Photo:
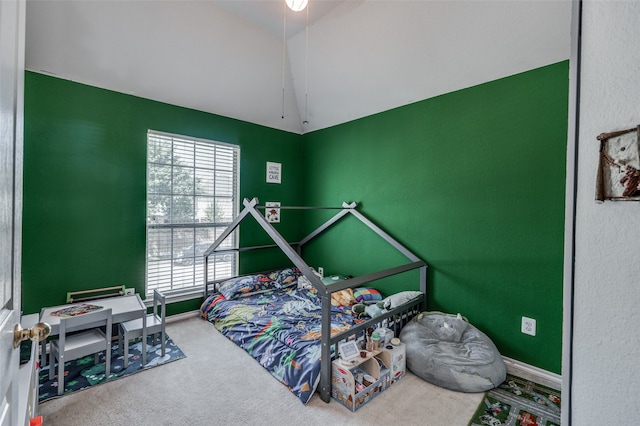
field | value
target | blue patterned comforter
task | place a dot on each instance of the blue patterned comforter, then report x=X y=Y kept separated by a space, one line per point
x=278 y=324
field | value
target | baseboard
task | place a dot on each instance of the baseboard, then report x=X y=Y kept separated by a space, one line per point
x=544 y=377
x=182 y=316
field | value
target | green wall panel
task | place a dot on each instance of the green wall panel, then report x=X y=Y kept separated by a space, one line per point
x=84 y=183
x=473 y=182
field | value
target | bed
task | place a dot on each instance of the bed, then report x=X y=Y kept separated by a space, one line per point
x=285 y=318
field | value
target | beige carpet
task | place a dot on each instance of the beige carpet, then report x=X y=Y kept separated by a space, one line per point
x=219 y=384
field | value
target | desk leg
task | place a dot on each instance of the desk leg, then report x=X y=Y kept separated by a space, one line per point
x=144 y=339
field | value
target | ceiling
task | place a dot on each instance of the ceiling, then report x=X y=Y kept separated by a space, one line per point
x=361 y=57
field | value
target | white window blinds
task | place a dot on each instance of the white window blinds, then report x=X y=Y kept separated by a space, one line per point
x=192 y=192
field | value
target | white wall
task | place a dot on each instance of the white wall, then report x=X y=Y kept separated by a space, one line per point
x=606 y=342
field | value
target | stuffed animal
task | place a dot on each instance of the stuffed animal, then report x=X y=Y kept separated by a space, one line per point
x=343 y=298
x=373 y=310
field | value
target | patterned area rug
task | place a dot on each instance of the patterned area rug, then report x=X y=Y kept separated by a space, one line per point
x=519 y=402
x=83 y=373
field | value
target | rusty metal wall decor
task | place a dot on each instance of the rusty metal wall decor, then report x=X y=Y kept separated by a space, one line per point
x=618 y=176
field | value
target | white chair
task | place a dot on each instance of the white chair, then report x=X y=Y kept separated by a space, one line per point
x=155 y=326
x=87 y=339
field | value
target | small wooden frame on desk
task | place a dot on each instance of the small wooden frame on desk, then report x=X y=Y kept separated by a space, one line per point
x=96 y=293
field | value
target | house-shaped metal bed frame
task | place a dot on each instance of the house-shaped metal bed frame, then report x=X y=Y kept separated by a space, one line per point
x=398 y=315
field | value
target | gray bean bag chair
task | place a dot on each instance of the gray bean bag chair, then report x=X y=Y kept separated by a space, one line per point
x=447 y=351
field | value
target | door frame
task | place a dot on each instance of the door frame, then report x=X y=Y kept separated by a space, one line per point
x=12 y=47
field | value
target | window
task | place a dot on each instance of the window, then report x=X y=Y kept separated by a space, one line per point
x=192 y=192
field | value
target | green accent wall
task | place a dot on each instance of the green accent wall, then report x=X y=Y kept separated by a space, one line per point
x=473 y=182
x=84 y=184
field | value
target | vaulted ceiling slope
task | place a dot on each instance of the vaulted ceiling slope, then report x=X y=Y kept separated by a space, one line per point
x=226 y=57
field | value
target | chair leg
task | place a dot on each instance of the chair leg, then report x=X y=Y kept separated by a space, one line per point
x=107 y=365
x=125 y=345
x=60 y=374
x=163 y=343
x=119 y=340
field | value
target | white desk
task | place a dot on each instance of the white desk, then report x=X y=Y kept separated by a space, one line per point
x=123 y=308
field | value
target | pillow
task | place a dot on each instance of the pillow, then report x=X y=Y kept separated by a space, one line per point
x=259 y=283
x=367 y=295
x=343 y=298
x=285 y=278
x=398 y=299
x=240 y=286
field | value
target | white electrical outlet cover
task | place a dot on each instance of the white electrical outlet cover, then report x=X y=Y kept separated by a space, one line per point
x=528 y=326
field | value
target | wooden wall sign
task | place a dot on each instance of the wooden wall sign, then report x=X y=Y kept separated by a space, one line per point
x=619 y=166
